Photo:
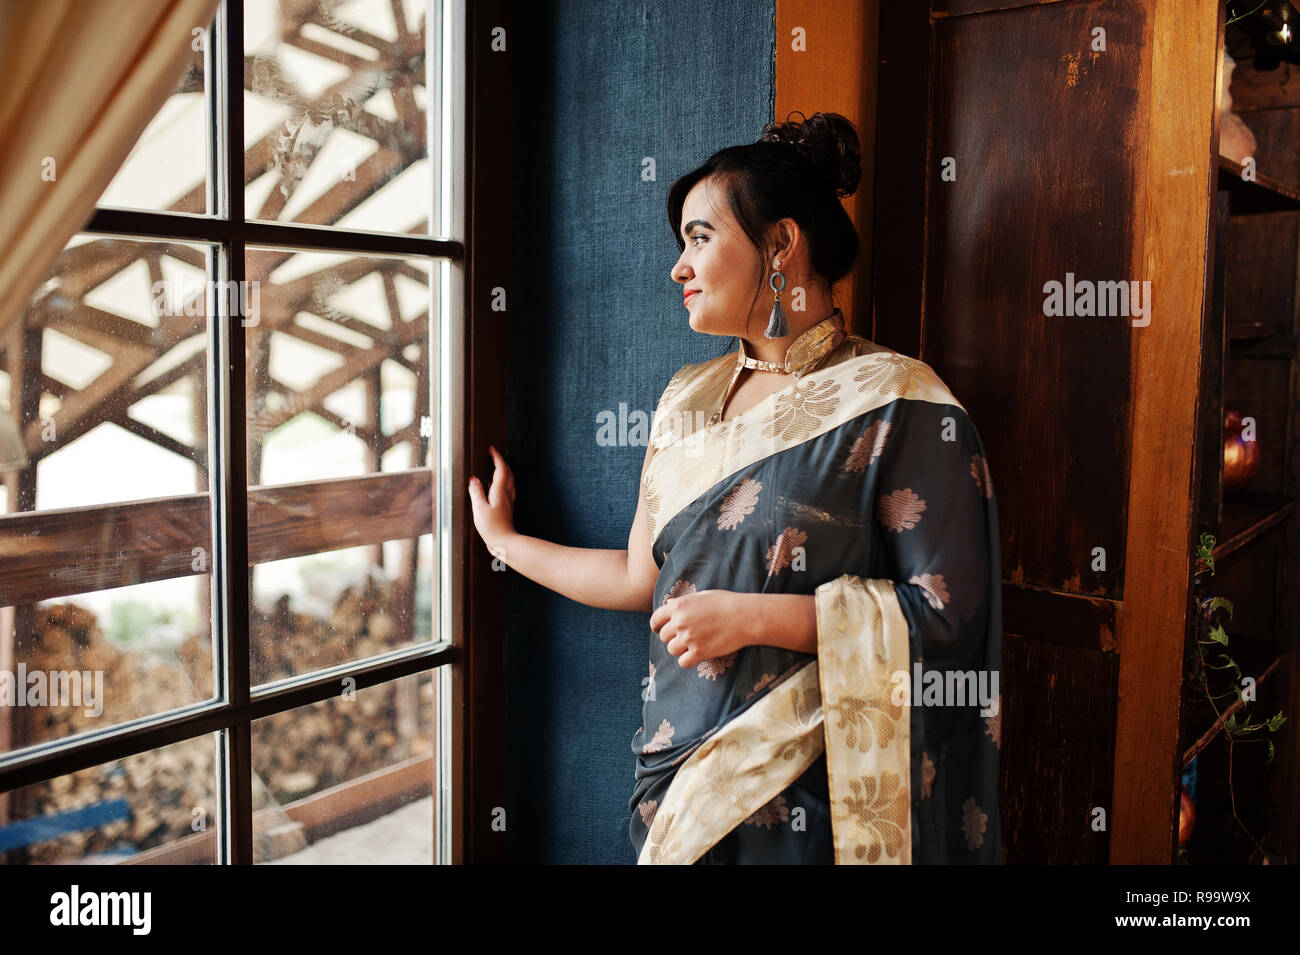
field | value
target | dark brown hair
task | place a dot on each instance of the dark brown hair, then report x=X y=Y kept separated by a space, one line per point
x=797 y=169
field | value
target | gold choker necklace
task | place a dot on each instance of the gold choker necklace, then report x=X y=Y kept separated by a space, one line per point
x=809 y=347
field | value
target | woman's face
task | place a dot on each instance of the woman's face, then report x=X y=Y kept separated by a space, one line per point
x=719 y=268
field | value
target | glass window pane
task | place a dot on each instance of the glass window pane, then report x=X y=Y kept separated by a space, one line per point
x=78 y=664
x=107 y=377
x=338 y=365
x=158 y=807
x=339 y=417
x=349 y=780
x=337 y=128
x=321 y=610
x=170 y=165
x=105 y=528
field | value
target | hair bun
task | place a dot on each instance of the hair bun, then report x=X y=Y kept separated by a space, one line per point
x=827 y=140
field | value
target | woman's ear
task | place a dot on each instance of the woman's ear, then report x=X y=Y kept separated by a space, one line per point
x=787 y=240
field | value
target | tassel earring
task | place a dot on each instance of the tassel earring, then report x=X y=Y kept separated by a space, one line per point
x=776 y=324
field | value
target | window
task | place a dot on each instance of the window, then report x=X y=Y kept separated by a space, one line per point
x=225 y=610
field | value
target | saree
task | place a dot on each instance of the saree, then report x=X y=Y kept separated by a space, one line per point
x=863 y=484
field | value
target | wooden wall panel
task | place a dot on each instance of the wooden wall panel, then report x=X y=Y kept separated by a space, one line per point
x=1020 y=105
x=1049 y=792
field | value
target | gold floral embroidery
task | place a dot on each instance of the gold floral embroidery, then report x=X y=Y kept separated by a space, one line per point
x=735 y=439
x=878 y=811
x=763 y=681
x=687 y=752
x=927 y=775
x=663 y=736
x=993 y=725
x=678 y=589
x=770 y=814
x=663 y=840
x=722 y=787
x=781 y=553
x=869 y=720
x=974 y=823
x=979 y=470
x=896 y=374
x=801 y=712
x=712 y=669
x=840 y=607
x=647 y=810
x=868 y=447
x=797 y=414
x=899 y=510
x=740 y=501
x=935 y=587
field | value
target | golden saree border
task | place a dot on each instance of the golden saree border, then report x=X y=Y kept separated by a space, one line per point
x=689 y=460
x=738 y=770
x=862 y=642
x=843 y=704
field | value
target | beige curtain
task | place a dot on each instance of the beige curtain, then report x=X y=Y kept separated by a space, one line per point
x=79 y=82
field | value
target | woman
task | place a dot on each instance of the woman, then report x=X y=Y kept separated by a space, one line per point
x=815 y=530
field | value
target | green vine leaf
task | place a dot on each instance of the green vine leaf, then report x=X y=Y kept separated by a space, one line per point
x=1198 y=662
x=1205 y=553
x=1217 y=602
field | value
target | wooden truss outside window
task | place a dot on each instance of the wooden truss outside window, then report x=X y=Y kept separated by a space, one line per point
x=238 y=400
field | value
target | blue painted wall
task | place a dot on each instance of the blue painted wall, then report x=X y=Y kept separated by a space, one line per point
x=596 y=321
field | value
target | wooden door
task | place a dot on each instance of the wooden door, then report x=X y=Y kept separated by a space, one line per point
x=1022 y=143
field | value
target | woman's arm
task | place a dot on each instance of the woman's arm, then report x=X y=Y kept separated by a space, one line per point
x=789 y=621
x=598 y=578
x=707 y=624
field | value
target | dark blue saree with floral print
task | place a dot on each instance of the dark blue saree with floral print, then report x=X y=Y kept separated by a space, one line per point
x=865 y=485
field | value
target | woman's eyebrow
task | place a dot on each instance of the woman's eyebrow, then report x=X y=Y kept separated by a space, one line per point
x=694 y=222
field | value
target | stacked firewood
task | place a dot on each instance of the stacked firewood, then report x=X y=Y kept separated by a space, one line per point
x=67 y=637
x=295 y=754
x=361 y=624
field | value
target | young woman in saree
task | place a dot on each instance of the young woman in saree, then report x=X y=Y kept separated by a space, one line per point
x=816 y=542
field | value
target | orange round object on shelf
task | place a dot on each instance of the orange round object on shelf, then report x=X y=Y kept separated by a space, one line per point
x=1240 y=456
x=1186 y=818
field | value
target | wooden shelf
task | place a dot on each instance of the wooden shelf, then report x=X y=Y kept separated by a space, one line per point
x=1263 y=194
x=1246 y=516
x=1241 y=331
x=1277 y=346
